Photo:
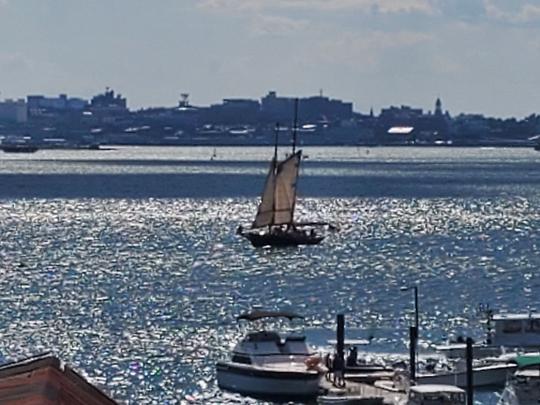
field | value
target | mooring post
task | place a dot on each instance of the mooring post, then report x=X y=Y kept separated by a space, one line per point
x=340 y=337
x=470 y=381
x=413 y=335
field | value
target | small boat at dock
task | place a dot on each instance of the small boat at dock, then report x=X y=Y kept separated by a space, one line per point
x=524 y=386
x=268 y=364
x=486 y=375
x=504 y=332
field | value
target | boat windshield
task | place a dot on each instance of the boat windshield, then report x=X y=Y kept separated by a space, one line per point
x=284 y=328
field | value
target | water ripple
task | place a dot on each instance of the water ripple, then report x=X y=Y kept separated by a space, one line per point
x=141 y=295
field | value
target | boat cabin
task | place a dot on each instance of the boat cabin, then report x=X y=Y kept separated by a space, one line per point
x=257 y=346
x=270 y=343
x=516 y=330
x=434 y=394
x=503 y=330
x=524 y=386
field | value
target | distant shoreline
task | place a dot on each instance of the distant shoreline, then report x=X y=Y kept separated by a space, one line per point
x=240 y=145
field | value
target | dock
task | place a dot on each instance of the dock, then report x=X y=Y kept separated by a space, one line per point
x=381 y=392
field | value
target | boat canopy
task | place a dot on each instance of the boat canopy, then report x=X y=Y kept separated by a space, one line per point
x=528 y=361
x=258 y=314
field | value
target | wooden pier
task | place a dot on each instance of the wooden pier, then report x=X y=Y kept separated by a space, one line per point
x=363 y=393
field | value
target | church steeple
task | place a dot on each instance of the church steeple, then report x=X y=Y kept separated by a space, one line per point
x=438 y=107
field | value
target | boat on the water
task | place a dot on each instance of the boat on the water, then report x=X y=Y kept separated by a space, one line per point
x=18 y=148
x=274 y=223
x=17 y=144
x=268 y=364
x=524 y=386
x=505 y=332
x=484 y=375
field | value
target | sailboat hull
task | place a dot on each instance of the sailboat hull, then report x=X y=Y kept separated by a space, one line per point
x=283 y=239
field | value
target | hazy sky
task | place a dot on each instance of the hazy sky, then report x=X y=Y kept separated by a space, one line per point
x=477 y=55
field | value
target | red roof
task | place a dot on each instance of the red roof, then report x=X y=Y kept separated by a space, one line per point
x=43 y=381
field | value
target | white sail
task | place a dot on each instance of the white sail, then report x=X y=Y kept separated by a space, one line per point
x=285 y=189
x=265 y=212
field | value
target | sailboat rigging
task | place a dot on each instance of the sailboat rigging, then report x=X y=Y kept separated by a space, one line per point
x=274 y=223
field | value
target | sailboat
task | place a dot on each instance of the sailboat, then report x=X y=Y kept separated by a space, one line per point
x=274 y=223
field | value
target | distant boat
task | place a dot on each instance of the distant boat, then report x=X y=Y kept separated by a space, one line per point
x=19 y=148
x=274 y=223
x=536 y=139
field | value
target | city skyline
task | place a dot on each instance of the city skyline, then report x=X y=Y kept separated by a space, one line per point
x=480 y=56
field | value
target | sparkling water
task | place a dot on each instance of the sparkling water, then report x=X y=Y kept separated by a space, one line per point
x=125 y=262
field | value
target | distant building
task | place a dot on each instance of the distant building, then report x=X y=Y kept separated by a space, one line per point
x=39 y=103
x=311 y=109
x=426 y=127
x=274 y=108
x=14 y=111
x=233 y=111
x=109 y=101
x=471 y=125
x=321 y=108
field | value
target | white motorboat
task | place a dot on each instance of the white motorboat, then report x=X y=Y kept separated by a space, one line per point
x=524 y=386
x=268 y=364
x=504 y=332
x=435 y=394
x=488 y=374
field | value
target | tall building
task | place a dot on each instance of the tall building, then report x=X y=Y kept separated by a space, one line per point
x=37 y=103
x=109 y=101
x=14 y=111
x=311 y=109
x=233 y=111
x=438 y=107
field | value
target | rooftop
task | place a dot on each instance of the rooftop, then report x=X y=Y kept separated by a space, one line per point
x=516 y=317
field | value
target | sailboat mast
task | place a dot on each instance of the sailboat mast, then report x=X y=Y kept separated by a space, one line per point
x=295 y=125
x=295 y=128
x=276 y=141
x=276 y=137
x=295 y=187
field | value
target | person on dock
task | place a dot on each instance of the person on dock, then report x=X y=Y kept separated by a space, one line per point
x=352 y=357
x=338 y=367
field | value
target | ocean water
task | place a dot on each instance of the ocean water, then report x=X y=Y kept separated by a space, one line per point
x=125 y=262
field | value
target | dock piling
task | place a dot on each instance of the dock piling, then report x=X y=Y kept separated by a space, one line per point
x=470 y=382
x=413 y=336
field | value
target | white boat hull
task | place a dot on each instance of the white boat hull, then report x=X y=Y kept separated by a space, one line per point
x=348 y=400
x=267 y=382
x=495 y=375
x=458 y=350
